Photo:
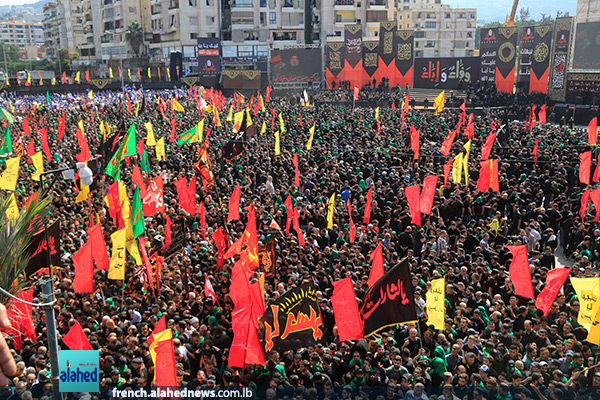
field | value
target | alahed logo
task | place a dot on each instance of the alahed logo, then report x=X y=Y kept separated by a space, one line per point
x=79 y=370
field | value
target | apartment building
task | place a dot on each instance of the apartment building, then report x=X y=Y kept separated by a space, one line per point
x=368 y=13
x=21 y=33
x=63 y=27
x=115 y=17
x=440 y=31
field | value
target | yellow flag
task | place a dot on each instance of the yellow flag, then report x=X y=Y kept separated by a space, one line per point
x=83 y=194
x=436 y=309
x=110 y=73
x=457 y=168
x=277 y=149
x=160 y=149
x=91 y=94
x=132 y=247
x=594 y=331
x=310 y=139
x=377 y=114
x=137 y=108
x=177 y=106
x=237 y=121
x=465 y=161
x=116 y=270
x=12 y=212
x=80 y=125
x=38 y=164
x=150 y=139
x=129 y=73
x=248 y=118
x=124 y=199
x=588 y=293
x=102 y=130
x=330 y=211
x=199 y=132
x=216 y=116
x=53 y=81
x=281 y=124
x=438 y=103
x=494 y=225
x=108 y=129
x=8 y=180
x=78 y=77
x=29 y=78
x=169 y=73
x=230 y=114
x=262 y=103
x=7 y=80
x=264 y=128
x=149 y=74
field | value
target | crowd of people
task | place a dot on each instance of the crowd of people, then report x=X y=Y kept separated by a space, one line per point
x=495 y=346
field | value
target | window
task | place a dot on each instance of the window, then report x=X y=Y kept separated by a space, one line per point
x=210 y=20
x=430 y=24
x=210 y=3
x=272 y=18
x=430 y=43
x=419 y=34
x=194 y=21
x=242 y=3
x=193 y=35
x=447 y=15
x=132 y=10
x=193 y=3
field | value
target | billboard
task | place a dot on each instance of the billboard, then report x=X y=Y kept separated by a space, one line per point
x=534 y=58
x=488 y=53
x=353 y=68
x=209 y=61
x=299 y=65
x=559 y=58
x=586 y=53
x=446 y=73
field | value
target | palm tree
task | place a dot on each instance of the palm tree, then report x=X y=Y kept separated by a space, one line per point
x=15 y=237
x=135 y=37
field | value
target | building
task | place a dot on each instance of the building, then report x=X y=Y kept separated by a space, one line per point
x=440 y=31
x=369 y=13
x=63 y=26
x=54 y=29
x=115 y=17
x=587 y=11
x=21 y=33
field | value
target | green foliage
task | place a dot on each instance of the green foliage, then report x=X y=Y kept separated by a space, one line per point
x=135 y=37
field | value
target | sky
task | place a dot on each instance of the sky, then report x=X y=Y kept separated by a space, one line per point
x=487 y=11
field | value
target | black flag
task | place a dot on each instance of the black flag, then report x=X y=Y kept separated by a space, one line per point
x=238 y=143
x=293 y=320
x=390 y=300
x=38 y=248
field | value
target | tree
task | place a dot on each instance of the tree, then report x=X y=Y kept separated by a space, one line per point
x=12 y=52
x=135 y=37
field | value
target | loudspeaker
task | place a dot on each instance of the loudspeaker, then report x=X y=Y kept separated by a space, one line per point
x=176 y=65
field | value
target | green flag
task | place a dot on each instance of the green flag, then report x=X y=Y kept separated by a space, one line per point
x=145 y=164
x=47 y=97
x=131 y=150
x=5 y=115
x=115 y=162
x=137 y=215
x=187 y=136
x=5 y=142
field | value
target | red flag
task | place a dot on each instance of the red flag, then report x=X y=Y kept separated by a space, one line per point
x=30 y=151
x=172 y=138
x=138 y=180
x=352 y=233
x=115 y=205
x=85 y=154
x=167 y=233
x=290 y=213
x=536 y=150
x=428 y=194
x=140 y=147
x=76 y=339
x=154 y=202
x=165 y=363
x=447 y=168
x=87 y=76
x=245 y=348
x=192 y=195
x=234 y=204
x=219 y=239
x=595 y=196
x=369 y=200
x=494 y=178
x=139 y=75
x=483 y=183
x=487 y=148
x=356 y=90
x=273 y=120
x=533 y=122
x=345 y=310
x=26 y=129
x=377 y=270
x=84 y=269
x=593 y=131
x=268 y=93
x=239 y=287
x=64 y=77
x=61 y=126
x=414 y=141
x=413 y=196
x=296 y=226
x=447 y=145
x=554 y=282
x=147 y=263
x=129 y=106
x=597 y=170
x=470 y=129
x=208 y=289
x=160 y=326
x=45 y=146
x=585 y=167
x=463 y=107
x=247 y=245
x=202 y=213
x=182 y=193
x=519 y=272
x=542 y=114
x=296 y=170
x=585 y=198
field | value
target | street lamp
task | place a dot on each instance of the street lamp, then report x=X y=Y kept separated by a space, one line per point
x=87 y=178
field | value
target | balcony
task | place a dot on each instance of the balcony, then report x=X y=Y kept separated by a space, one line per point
x=242 y=4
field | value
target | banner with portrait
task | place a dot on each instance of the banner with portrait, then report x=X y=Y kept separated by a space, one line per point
x=560 y=55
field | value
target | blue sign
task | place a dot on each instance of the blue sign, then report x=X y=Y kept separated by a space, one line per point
x=79 y=370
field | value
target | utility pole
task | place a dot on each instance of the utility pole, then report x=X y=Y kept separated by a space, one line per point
x=5 y=62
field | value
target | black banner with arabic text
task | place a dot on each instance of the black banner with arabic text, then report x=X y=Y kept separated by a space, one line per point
x=387 y=33
x=446 y=73
x=38 y=249
x=353 y=43
x=293 y=320
x=209 y=61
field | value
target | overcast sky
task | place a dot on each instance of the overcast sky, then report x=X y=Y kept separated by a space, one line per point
x=486 y=10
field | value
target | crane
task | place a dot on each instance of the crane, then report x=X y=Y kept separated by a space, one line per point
x=510 y=19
